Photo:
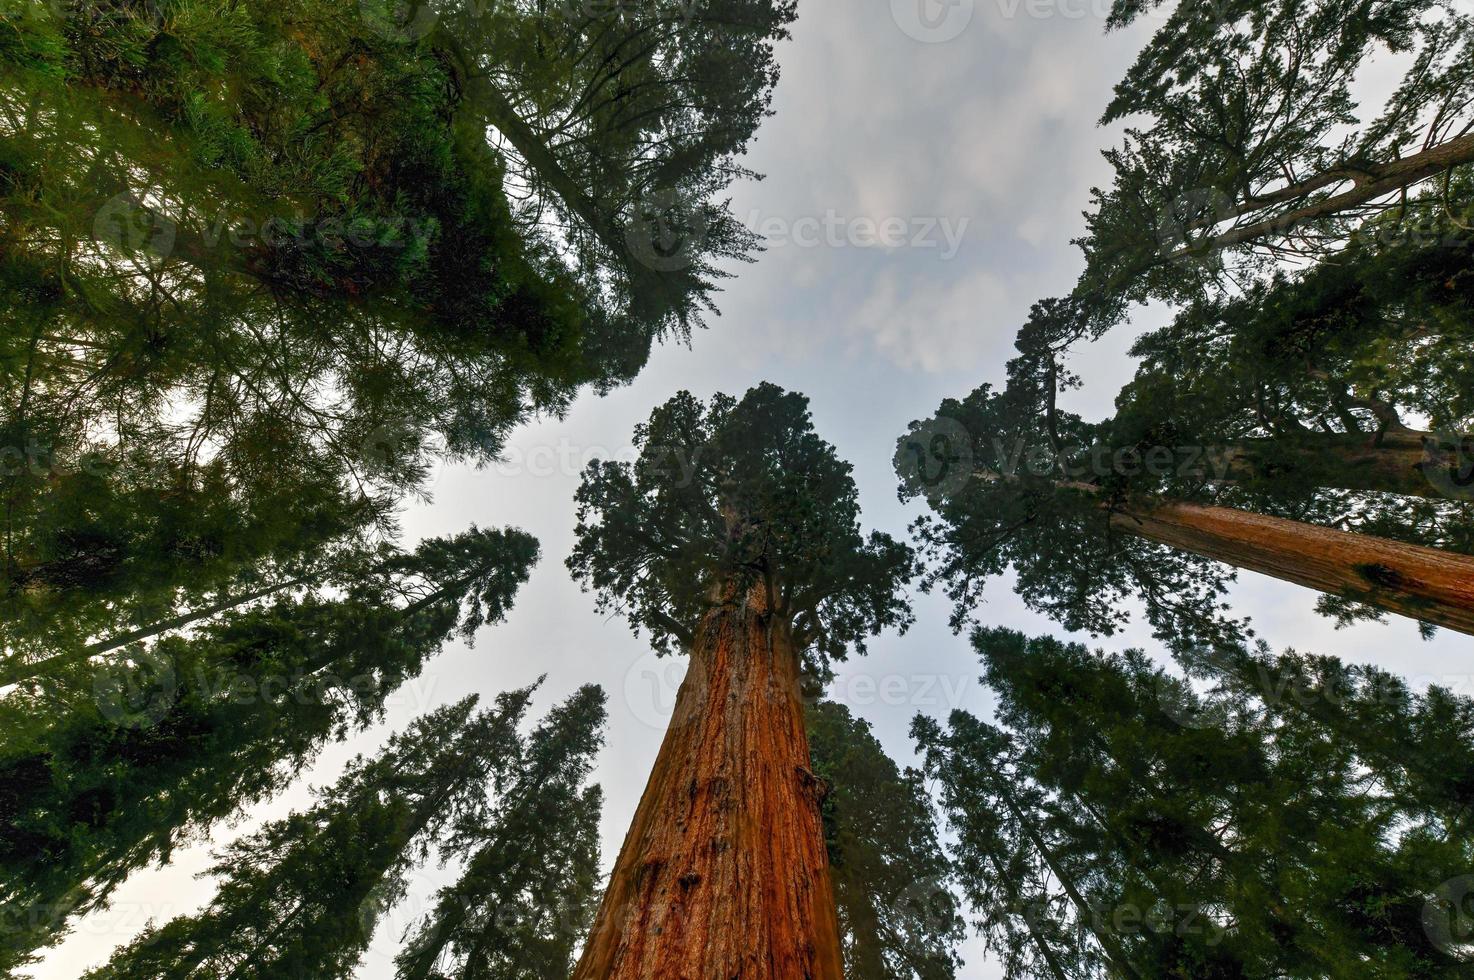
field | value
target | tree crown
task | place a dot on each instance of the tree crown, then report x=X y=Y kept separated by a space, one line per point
x=731 y=495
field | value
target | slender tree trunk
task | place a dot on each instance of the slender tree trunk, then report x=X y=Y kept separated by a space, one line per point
x=1029 y=917
x=724 y=874
x=1407 y=579
x=1110 y=944
x=485 y=97
x=12 y=673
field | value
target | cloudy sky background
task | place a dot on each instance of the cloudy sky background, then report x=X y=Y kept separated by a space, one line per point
x=973 y=130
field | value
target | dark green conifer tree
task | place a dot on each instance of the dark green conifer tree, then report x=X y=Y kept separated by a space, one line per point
x=897 y=915
x=106 y=768
x=302 y=896
x=528 y=892
x=1226 y=834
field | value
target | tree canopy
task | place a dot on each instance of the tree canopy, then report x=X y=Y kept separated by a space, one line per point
x=1120 y=822
x=736 y=494
x=898 y=918
x=303 y=895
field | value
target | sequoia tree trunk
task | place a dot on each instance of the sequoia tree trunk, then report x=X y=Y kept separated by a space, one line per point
x=1407 y=462
x=724 y=873
x=1410 y=580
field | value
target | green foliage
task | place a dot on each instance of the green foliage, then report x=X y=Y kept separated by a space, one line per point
x=301 y=896
x=733 y=495
x=529 y=891
x=1009 y=479
x=265 y=260
x=626 y=124
x=898 y=918
x=1288 y=400
x=1245 y=126
x=1241 y=832
x=107 y=767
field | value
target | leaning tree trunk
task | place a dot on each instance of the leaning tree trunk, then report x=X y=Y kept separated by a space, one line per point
x=1407 y=462
x=1410 y=580
x=1368 y=183
x=724 y=873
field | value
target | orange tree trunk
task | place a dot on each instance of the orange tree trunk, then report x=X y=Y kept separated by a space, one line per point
x=724 y=874
x=1422 y=583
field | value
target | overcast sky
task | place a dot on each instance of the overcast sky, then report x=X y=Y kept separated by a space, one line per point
x=963 y=132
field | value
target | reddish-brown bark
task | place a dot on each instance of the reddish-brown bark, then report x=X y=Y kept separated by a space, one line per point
x=724 y=873
x=1421 y=583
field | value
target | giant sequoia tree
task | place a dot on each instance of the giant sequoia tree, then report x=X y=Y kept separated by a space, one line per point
x=1263 y=433
x=1119 y=822
x=104 y=770
x=733 y=539
x=301 y=896
x=1275 y=425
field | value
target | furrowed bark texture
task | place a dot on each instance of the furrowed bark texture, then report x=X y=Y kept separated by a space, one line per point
x=724 y=873
x=1410 y=580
